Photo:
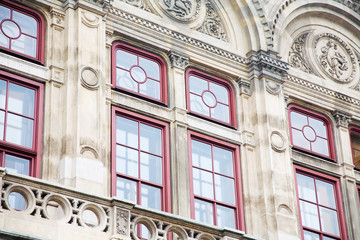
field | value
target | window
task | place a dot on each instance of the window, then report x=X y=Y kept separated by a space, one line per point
x=140 y=162
x=215 y=182
x=355 y=145
x=319 y=200
x=139 y=72
x=311 y=132
x=210 y=97
x=20 y=124
x=22 y=31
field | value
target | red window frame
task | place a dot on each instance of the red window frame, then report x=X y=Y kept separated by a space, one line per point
x=317 y=116
x=338 y=201
x=356 y=131
x=144 y=54
x=40 y=45
x=33 y=154
x=212 y=79
x=238 y=207
x=165 y=188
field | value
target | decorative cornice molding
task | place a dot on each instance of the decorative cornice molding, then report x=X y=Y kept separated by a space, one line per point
x=103 y=5
x=178 y=60
x=342 y=118
x=267 y=26
x=142 y=4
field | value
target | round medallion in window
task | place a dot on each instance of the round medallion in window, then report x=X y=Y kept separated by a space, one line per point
x=10 y=29
x=19 y=198
x=309 y=133
x=209 y=99
x=138 y=74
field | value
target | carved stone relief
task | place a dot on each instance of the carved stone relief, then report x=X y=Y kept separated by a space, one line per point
x=183 y=10
x=142 y=4
x=89 y=78
x=277 y=141
x=122 y=221
x=297 y=57
x=178 y=60
x=272 y=87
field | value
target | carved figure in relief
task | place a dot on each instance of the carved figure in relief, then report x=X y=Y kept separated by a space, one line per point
x=335 y=59
x=180 y=7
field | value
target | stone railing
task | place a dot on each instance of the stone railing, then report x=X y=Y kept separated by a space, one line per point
x=116 y=219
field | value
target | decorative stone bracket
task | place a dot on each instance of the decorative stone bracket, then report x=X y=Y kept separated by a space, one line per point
x=342 y=119
x=178 y=60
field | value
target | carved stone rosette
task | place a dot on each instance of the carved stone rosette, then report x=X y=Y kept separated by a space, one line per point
x=182 y=10
x=335 y=57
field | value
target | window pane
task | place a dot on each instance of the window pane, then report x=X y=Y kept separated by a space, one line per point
x=325 y=193
x=17 y=165
x=17 y=201
x=309 y=215
x=27 y=24
x=125 y=60
x=204 y=212
x=124 y=80
x=21 y=100
x=2 y=118
x=328 y=238
x=150 y=197
x=223 y=162
x=201 y=155
x=203 y=183
x=151 y=168
x=126 y=189
x=127 y=161
x=320 y=146
x=356 y=156
x=150 y=88
x=329 y=221
x=197 y=105
x=299 y=139
x=197 y=85
x=220 y=92
x=298 y=120
x=306 y=187
x=318 y=126
x=311 y=236
x=150 y=139
x=4 y=13
x=221 y=112
x=19 y=130
x=24 y=44
x=225 y=217
x=4 y=41
x=2 y=93
x=225 y=189
x=127 y=132
x=151 y=68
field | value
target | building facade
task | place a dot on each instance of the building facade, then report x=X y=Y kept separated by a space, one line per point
x=180 y=119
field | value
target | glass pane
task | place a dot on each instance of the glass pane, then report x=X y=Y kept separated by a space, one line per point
x=201 y=155
x=142 y=232
x=204 y=212
x=320 y=146
x=126 y=189
x=19 y=130
x=151 y=168
x=298 y=120
x=2 y=119
x=27 y=24
x=2 y=93
x=225 y=217
x=318 y=126
x=150 y=139
x=203 y=183
x=17 y=201
x=127 y=132
x=355 y=140
x=24 y=44
x=311 y=236
x=356 y=156
x=4 y=13
x=151 y=68
x=223 y=162
x=125 y=60
x=329 y=221
x=221 y=112
x=17 y=165
x=197 y=85
x=151 y=197
x=4 y=41
x=127 y=161
x=150 y=88
x=197 y=105
x=325 y=193
x=10 y=29
x=221 y=93
x=21 y=100
x=124 y=80
x=306 y=187
x=328 y=238
x=299 y=139
x=225 y=189
x=309 y=215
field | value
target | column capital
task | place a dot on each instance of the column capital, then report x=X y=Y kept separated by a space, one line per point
x=342 y=119
x=178 y=60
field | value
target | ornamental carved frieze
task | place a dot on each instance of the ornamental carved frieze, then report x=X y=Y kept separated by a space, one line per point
x=297 y=58
x=182 y=10
x=335 y=57
x=142 y=4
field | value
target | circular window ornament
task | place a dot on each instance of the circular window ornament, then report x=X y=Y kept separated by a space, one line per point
x=57 y=208
x=309 y=133
x=19 y=198
x=138 y=74
x=10 y=29
x=209 y=99
x=335 y=57
x=92 y=216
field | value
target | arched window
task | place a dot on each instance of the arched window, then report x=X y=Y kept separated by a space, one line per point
x=22 y=31
x=311 y=132
x=140 y=73
x=210 y=97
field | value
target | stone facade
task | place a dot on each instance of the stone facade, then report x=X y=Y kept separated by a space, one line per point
x=273 y=55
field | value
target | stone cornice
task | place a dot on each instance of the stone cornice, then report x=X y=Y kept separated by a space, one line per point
x=96 y=5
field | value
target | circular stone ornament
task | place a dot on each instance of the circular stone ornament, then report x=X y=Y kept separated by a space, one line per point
x=182 y=10
x=89 y=78
x=335 y=57
x=277 y=141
